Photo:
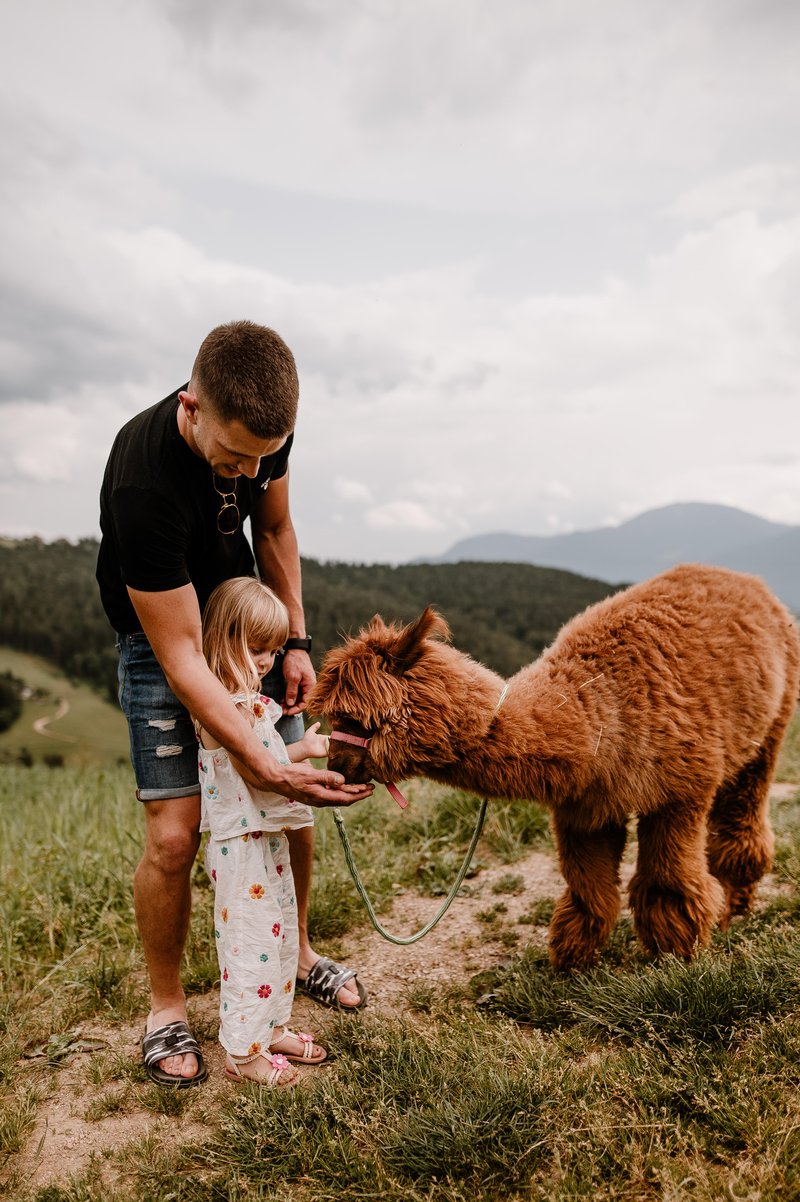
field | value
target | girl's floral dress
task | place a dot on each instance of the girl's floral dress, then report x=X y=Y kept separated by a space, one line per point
x=255 y=914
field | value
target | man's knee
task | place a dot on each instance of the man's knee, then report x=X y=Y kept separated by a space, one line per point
x=172 y=851
x=173 y=836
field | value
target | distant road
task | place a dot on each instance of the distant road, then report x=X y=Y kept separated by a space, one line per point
x=41 y=724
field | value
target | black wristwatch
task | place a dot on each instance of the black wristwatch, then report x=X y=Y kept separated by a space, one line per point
x=298 y=644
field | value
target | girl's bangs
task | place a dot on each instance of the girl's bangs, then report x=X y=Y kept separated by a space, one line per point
x=270 y=632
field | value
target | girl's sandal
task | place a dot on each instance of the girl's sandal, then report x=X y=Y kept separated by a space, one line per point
x=310 y=1053
x=278 y=1072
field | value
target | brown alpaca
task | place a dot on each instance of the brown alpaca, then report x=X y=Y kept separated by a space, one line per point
x=667 y=701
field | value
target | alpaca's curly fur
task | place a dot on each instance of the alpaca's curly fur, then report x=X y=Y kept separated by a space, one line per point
x=667 y=701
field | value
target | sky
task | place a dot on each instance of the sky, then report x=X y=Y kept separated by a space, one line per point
x=538 y=260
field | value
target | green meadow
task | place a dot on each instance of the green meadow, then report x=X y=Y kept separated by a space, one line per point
x=637 y=1081
x=91 y=730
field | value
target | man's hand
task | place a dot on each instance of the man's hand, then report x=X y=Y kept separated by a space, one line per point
x=299 y=675
x=317 y=788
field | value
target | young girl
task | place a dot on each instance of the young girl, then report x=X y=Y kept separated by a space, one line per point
x=247 y=855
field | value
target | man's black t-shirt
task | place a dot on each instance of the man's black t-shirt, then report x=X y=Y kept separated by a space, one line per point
x=158 y=515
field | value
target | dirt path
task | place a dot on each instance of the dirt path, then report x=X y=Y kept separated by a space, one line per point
x=41 y=724
x=462 y=945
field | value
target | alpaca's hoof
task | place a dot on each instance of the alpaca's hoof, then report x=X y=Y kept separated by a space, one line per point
x=741 y=863
x=668 y=920
x=578 y=936
x=573 y=959
x=740 y=900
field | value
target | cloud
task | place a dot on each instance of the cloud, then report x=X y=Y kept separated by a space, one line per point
x=468 y=107
x=42 y=443
x=560 y=282
x=446 y=411
x=351 y=490
x=772 y=188
x=65 y=295
x=208 y=24
x=54 y=454
x=403 y=515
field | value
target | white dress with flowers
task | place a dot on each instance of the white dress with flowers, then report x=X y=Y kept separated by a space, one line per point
x=255 y=912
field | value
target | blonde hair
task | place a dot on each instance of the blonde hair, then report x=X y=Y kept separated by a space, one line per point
x=241 y=613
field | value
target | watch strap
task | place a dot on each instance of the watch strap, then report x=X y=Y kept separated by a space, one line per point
x=297 y=644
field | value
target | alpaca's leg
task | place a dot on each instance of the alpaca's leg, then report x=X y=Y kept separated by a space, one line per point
x=588 y=908
x=675 y=900
x=740 y=842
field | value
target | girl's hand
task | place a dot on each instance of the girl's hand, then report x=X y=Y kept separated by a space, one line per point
x=314 y=744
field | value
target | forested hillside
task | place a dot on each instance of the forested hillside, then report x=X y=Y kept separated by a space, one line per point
x=49 y=606
x=502 y=614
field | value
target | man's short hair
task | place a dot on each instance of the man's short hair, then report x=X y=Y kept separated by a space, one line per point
x=247 y=373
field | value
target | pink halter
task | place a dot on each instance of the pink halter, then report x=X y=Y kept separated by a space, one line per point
x=392 y=790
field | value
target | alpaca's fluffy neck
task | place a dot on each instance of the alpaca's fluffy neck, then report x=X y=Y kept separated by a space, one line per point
x=495 y=748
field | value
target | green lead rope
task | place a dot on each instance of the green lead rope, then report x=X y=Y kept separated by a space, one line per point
x=401 y=940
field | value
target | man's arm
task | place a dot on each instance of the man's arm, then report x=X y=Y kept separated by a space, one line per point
x=278 y=559
x=171 y=621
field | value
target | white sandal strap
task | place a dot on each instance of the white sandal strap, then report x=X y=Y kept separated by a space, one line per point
x=303 y=1038
x=278 y=1065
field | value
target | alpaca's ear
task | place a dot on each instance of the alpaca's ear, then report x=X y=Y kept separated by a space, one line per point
x=376 y=625
x=409 y=644
x=352 y=681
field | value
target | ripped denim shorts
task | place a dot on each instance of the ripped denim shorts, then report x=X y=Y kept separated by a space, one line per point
x=163 y=741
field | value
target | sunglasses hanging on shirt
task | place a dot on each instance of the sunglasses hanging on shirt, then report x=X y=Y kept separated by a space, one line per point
x=228 y=518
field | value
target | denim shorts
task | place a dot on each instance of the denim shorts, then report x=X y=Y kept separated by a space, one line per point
x=162 y=736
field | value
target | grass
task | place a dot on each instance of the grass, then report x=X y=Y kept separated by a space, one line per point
x=789 y=763
x=709 y=999
x=510 y=882
x=638 y=1081
x=787 y=851
x=474 y=1112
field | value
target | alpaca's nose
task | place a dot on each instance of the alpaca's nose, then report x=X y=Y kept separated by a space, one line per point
x=354 y=765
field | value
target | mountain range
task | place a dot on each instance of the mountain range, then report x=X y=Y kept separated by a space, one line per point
x=653 y=541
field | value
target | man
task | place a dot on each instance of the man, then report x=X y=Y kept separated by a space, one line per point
x=180 y=480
